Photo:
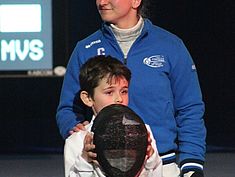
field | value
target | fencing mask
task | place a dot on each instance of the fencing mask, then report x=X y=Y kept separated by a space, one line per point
x=121 y=141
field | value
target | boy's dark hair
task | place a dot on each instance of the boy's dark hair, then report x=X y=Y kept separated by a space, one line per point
x=98 y=67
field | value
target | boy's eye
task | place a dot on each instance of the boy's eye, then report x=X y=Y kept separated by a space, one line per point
x=124 y=91
x=108 y=92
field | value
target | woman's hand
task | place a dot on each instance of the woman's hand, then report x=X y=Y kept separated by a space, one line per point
x=78 y=127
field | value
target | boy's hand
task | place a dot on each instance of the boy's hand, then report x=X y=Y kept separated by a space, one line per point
x=78 y=127
x=88 y=149
x=150 y=149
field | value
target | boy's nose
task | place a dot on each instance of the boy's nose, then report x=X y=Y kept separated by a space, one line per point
x=118 y=99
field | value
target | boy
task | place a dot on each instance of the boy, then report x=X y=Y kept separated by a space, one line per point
x=104 y=81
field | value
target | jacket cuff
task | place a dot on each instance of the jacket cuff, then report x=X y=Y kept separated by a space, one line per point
x=191 y=165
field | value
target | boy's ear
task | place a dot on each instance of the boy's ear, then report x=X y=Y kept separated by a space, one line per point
x=86 y=99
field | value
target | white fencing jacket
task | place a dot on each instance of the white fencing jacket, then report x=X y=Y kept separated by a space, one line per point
x=76 y=166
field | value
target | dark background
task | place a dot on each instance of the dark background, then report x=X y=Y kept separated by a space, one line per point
x=28 y=104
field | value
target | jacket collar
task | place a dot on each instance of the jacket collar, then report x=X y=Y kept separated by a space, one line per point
x=107 y=32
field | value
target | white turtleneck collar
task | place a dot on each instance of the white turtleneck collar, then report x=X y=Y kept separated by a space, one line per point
x=126 y=37
x=128 y=34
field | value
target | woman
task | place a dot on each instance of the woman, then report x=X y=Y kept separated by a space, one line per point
x=164 y=91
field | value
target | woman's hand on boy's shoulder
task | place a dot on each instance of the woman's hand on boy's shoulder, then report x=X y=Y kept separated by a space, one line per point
x=78 y=127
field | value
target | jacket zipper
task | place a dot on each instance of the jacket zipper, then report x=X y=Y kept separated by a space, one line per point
x=125 y=59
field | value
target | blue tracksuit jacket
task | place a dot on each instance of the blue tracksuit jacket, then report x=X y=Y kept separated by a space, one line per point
x=164 y=89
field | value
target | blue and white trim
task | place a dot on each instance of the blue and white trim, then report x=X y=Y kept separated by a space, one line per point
x=168 y=158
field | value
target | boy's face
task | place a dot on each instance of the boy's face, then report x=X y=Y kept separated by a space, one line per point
x=106 y=93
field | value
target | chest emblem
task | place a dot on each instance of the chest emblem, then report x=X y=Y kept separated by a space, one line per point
x=155 y=61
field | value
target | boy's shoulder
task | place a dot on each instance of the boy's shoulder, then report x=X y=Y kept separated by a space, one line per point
x=80 y=134
x=76 y=136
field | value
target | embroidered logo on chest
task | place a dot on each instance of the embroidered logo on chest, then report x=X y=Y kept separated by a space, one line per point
x=155 y=61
